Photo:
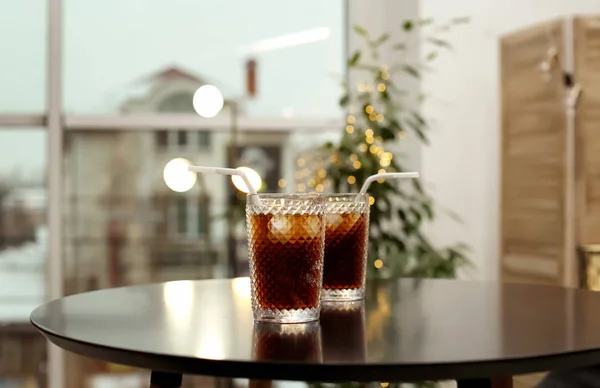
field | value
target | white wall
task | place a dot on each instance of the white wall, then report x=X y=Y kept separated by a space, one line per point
x=462 y=164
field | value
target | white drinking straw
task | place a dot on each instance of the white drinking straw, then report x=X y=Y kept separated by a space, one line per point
x=387 y=175
x=225 y=171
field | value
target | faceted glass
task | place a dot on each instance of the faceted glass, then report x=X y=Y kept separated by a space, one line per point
x=346 y=243
x=286 y=238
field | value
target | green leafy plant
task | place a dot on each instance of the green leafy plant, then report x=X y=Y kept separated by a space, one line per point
x=381 y=113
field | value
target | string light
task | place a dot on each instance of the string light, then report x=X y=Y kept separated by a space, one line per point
x=373 y=149
x=384 y=162
x=334 y=158
x=379 y=117
x=381 y=88
x=351 y=180
x=378 y=264
x=301 y=162
x=388 y=155
x=381 y=171
x=385 y=75
x=369 y=139
x=281 y=183
x=369 y=109
x=353 y=157
x=351 y=119
x=371 y=201
x=311 y=182
x=301 y=187
x=369 y=132
x=349 y=129
x=363 y=147
x=322 y=173
x=372 y=117
x=356 y=164
x=319 y=188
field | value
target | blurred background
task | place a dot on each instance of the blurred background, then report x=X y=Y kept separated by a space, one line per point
x=97 y=120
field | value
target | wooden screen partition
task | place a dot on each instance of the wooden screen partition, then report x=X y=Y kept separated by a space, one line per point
x=533 y=157
x=587 y=123
x=550 y=150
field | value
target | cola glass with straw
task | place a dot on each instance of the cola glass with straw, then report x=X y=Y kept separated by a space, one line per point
x=286 y=240
x=346 y=241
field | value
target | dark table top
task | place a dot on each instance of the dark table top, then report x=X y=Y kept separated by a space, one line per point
x=406 y=330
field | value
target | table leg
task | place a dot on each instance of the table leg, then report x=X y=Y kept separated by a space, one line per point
x=495 y=382
x=165 y=380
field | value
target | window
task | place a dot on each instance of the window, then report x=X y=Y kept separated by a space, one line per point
x=182 y=138
x=204 y=139
x=203 y=216
x=181 y=211
x=162 y=139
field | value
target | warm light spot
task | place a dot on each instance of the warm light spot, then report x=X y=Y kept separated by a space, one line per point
x=372 y=117
x=349 y=129
x=322 y=173
x=300 y=162
x=381 y=171
x=380 y=117
x=401 y=134
x=208 y=101
x=373 y=149
x=371 y=201
x=379 y=139
x=363 y=147
x=381 y=87
x=369 y=132
x=305 y=172
x=356 y=164
x=351 y=119
x=361 y=87
x=311 y=182
x=369 y=139
x=319 y=188
x=388 y=155
x=281 y=183
x=378 y=264
x=301 y=187
x=380 y=180
x=384 y=162
x=334 y=158
x=385 y=75
x=177 y=177
x=351 y=179
x=369 y=109
x=353 y=157
x=253 y=177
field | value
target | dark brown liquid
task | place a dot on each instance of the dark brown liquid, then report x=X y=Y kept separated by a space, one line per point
x=275 y=342
x=287 y=258
x=343 y=331
x=345 y=248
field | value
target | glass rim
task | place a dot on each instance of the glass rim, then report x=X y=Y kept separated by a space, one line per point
x=287 y=195
x=332 y=195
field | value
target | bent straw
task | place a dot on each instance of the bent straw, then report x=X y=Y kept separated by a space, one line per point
x=386 y=175
x=225 y=171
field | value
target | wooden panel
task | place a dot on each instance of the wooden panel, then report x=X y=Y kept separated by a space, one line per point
x=587 y=129
x=533 y=158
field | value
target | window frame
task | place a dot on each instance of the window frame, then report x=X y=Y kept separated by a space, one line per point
x=56 y=123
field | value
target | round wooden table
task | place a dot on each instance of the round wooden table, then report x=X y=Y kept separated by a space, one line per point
x=406 y=330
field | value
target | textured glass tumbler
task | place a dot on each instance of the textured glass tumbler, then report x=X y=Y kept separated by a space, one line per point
x=286 y=239
x=346 y=243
